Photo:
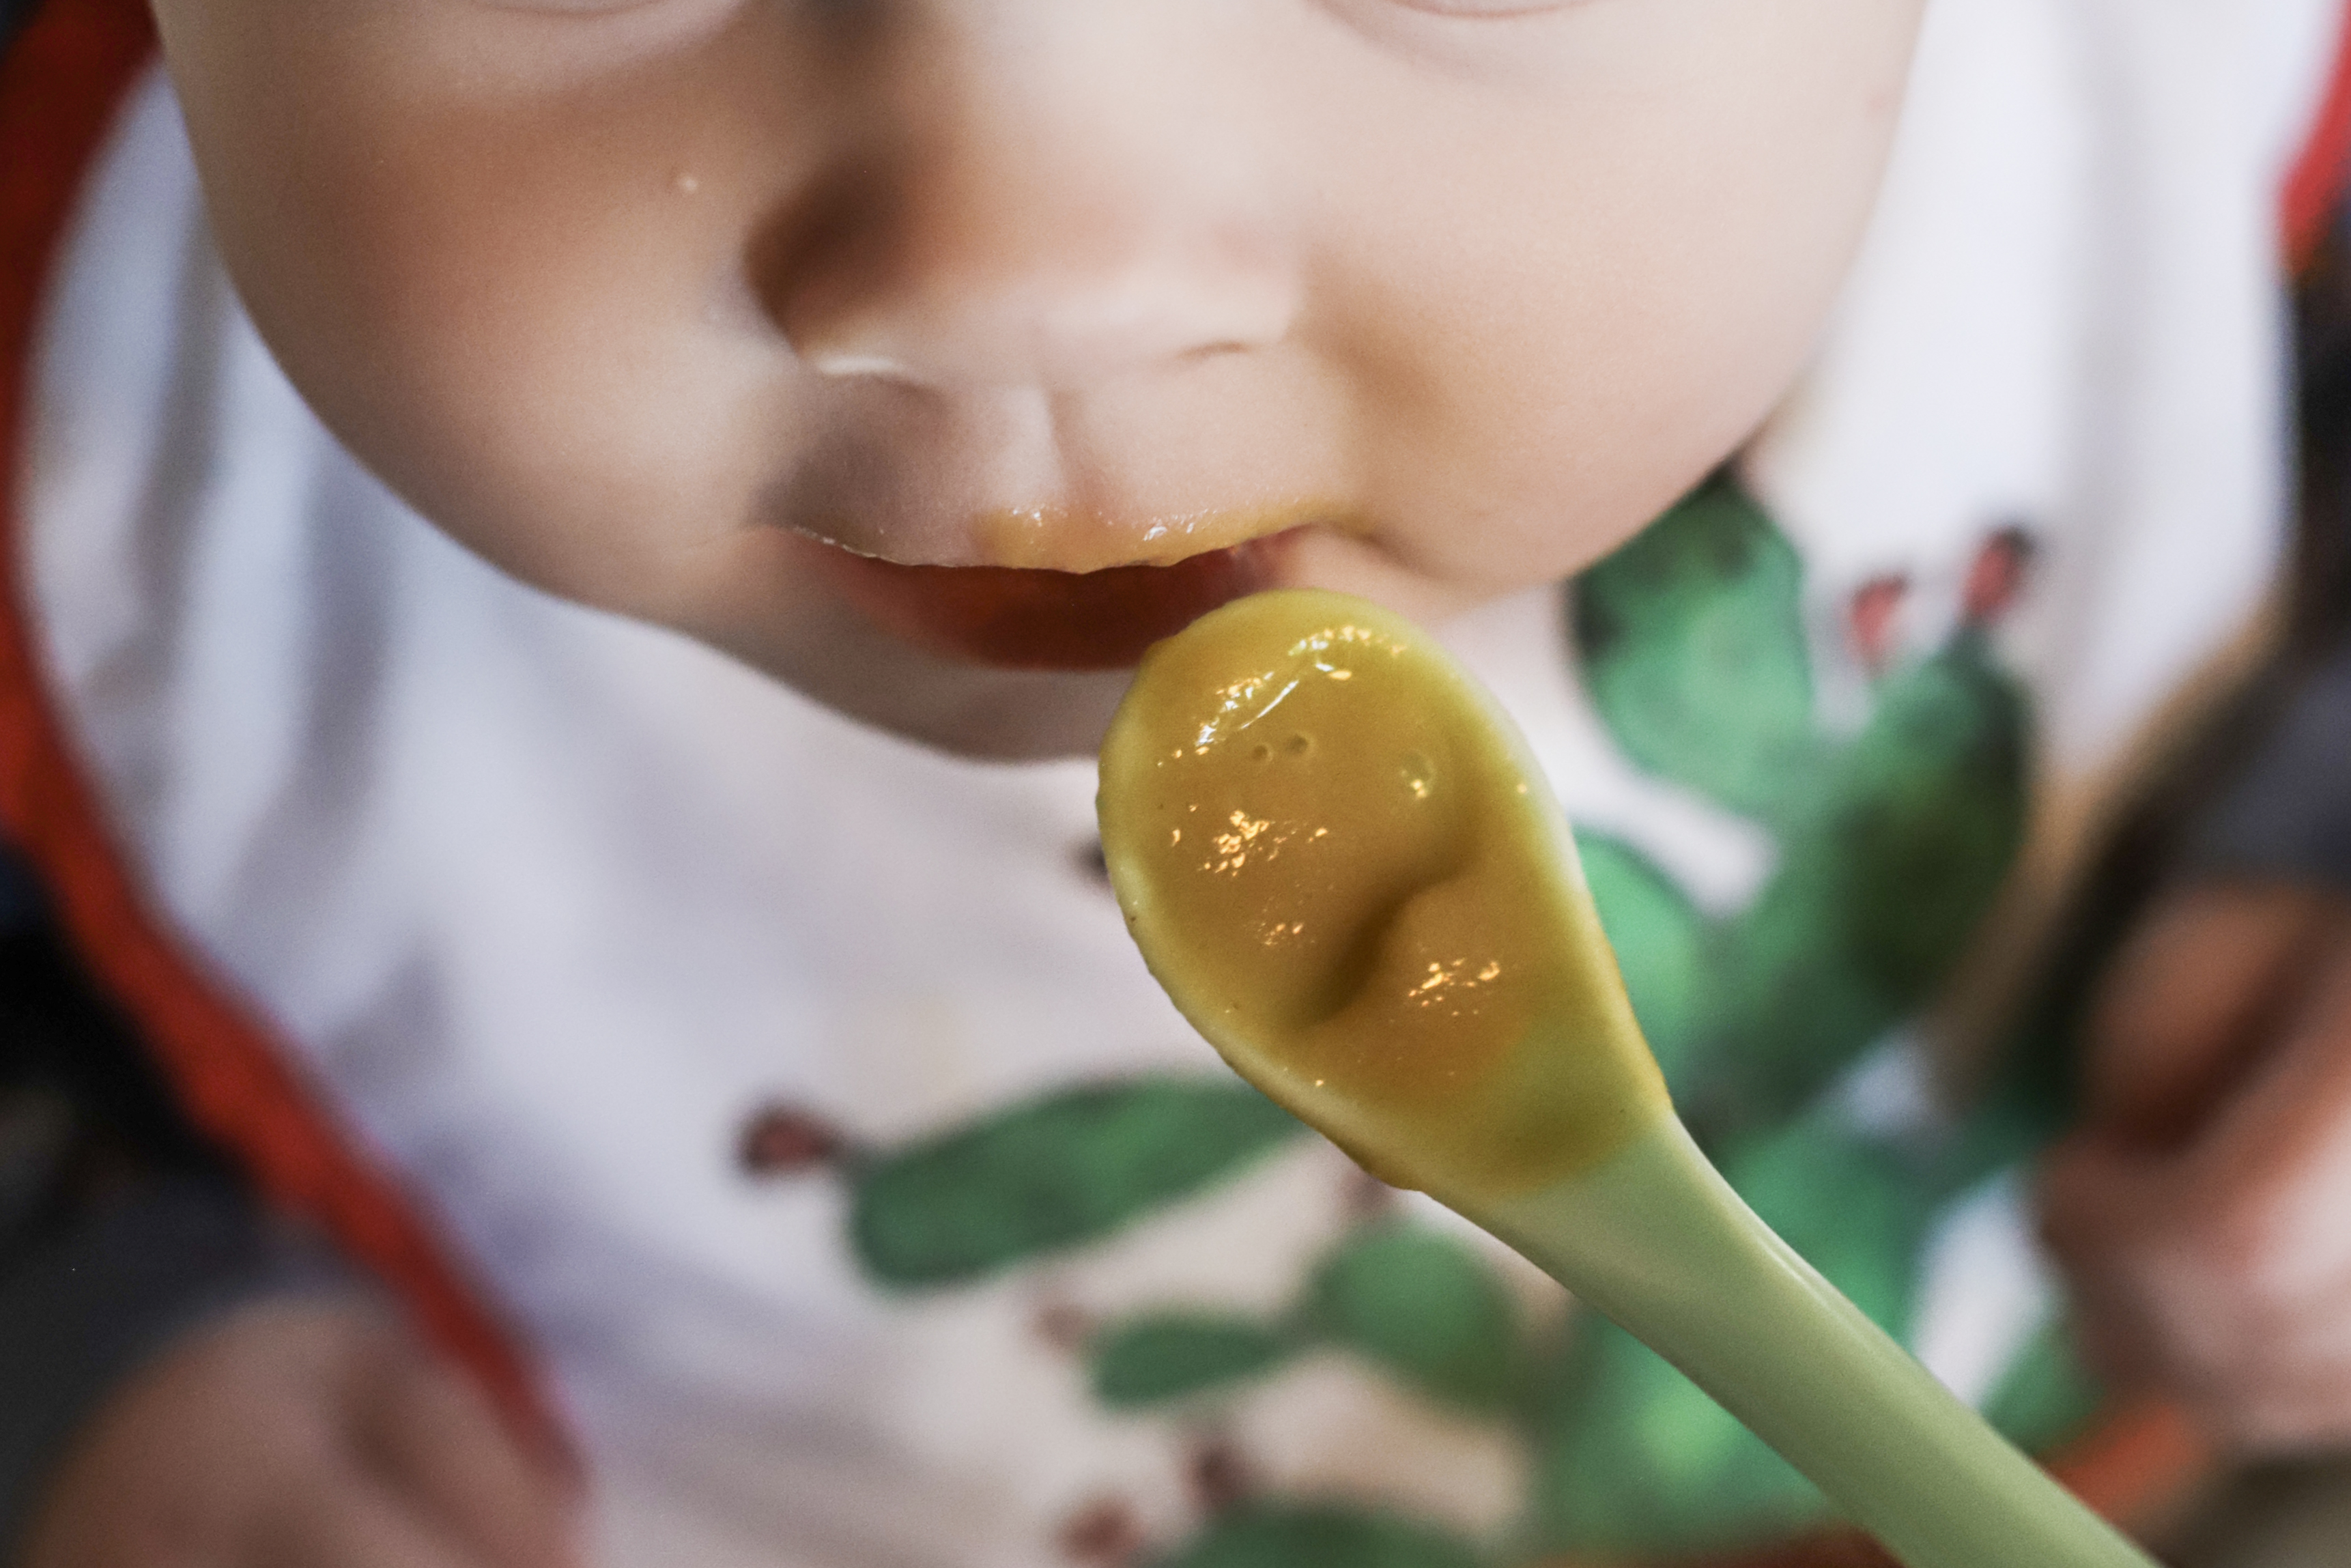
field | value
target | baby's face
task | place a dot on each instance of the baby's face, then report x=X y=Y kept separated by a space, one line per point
x=687 y=307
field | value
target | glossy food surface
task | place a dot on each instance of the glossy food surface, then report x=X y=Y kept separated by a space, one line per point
x=1339 y=861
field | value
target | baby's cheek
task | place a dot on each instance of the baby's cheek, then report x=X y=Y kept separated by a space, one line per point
x=1537 y=453
x=496 y=284
x=1554 y=361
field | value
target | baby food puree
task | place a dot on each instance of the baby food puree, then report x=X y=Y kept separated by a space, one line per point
x=1347 y=872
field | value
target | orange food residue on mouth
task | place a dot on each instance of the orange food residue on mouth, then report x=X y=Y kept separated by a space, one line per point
x=1074 y=540
x=1019 y=617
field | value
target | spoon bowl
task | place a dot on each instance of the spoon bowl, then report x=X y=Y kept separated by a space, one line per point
x=1343 y=866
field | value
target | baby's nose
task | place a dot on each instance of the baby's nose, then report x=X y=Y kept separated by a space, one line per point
x=1017 y=227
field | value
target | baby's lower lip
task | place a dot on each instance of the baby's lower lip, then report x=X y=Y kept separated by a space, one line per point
x=1032 y=619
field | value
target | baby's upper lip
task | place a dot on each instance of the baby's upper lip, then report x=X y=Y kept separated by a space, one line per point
x=1069 y=539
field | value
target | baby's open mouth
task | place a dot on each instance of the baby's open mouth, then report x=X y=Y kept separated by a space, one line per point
x=1036 y=619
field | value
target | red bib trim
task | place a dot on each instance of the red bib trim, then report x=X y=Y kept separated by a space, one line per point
x=2315 y=185
x=62 y=84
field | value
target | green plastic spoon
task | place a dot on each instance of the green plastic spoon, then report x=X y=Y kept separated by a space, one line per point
x=1341 y=864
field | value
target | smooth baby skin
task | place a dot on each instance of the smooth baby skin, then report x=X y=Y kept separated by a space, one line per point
x=1342 y=864
x=642 y=299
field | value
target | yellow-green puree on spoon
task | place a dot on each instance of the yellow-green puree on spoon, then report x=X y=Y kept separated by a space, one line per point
x=1341 y=864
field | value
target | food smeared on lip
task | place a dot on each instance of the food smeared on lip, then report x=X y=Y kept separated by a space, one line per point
x=1034 y=619
x=1343 y=867
x=1069 y=539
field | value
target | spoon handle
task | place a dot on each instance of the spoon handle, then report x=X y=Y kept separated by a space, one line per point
x=1657 y=1240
